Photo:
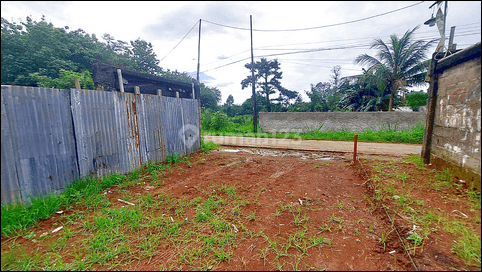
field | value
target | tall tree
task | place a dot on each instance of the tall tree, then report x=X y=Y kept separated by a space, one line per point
x=368 y=92
x=144 y=57
x=336 y=76
x=402 y=62
x=230 y=100
x=286 y=96
x=316 y=95
x=267 y=77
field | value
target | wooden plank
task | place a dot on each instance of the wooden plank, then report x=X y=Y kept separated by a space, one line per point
x=77 y=84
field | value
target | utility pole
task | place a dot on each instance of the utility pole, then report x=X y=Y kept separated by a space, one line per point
x=199 y=83
x=252 y=75
x=198 y=52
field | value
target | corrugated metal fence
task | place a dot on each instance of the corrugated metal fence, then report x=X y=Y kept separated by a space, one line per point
x=50 y=137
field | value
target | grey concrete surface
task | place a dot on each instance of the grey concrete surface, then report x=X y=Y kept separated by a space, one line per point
x=317 y=145
x=278 y=122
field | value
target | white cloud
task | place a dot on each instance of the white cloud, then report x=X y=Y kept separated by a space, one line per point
x=164 y=24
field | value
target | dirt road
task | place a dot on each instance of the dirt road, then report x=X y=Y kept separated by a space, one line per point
x=317 y=145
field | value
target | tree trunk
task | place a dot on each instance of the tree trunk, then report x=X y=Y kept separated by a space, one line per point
x=391 y=102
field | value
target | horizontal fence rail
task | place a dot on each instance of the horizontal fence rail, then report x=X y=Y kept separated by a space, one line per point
x=49 y=137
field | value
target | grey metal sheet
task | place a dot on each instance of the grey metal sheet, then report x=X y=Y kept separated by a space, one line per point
x=96 y=132
x=40 y=131
x=50 y=136
x=10 y=186
x=155 y=146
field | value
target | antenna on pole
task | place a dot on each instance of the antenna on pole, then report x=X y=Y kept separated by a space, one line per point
x=252 y=75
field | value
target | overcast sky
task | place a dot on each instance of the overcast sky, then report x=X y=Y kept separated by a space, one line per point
x=226 y=49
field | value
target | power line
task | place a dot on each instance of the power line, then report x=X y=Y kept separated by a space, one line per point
x=289 y=53
x=180 y=41
x=316 y=27
x=346 y=46
x=354 y=39
x=320 y=65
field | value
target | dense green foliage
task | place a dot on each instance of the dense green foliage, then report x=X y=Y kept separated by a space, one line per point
x=39 y=54
x=399 y=64
x=416 y=99
x=65 y=81
x=368 y=93
x=219 y=121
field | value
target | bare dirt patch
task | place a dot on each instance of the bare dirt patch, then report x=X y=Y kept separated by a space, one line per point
x=270 y=210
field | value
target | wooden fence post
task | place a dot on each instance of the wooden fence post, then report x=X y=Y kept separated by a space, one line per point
x=121 y=84
x=77 y=84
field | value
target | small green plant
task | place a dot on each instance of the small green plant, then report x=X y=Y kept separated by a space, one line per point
x=415 y=238
x=264 y=253
x=276 y=213
x=68 y=233
x=323 y=227
x=207 y=147
x=251 y=216
x=444 y=177
x=336 y=219
x=58 y=244
x=30 y=236
x=243 y=261
x=297 y=220
x=384 y=237
x=403 y=177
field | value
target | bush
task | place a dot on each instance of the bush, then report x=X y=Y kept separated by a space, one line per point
x=65 y=81
x=416 y=99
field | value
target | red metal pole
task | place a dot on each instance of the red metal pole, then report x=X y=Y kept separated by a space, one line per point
x=354 y=152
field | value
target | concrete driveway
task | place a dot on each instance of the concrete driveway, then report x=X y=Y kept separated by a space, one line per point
x=318 y=145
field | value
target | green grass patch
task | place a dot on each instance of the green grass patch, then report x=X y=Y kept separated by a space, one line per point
x=16 y=216
x=241 y=126
x=207 y=147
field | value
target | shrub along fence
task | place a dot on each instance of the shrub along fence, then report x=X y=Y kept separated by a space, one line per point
x=50 y=137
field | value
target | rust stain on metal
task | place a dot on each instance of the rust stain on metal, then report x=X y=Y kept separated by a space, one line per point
x=129 y=125
x=136 y=130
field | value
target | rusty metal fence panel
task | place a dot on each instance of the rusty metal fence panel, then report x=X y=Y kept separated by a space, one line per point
x=96 y=132
x=51 y=136
x=38 y=148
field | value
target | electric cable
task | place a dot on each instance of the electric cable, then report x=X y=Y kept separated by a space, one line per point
x=354 y=39
x=316 y=27
x=364 y=38
x=180 y=41
x=319 y=65
x=287 y=53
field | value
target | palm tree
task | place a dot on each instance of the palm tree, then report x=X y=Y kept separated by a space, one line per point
x=401 y=62
x=368 y=93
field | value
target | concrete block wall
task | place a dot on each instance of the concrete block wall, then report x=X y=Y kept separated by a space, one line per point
x=457 y=123
x=280 y=122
